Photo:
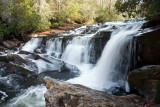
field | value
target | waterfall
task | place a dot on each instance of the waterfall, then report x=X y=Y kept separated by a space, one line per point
x=54 y=47
x=31 y=45
x=78 y=51
x=112 y=68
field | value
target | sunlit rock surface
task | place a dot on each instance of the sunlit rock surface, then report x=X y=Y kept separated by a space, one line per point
x=62 y=94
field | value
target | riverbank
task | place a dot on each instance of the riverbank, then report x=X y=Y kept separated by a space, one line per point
x=55 y=31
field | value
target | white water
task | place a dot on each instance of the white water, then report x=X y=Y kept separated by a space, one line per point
x=4 y=95
x=110 y=69
x=77 y=51
x=31 y=45
x=32 y=97
x=54 y=46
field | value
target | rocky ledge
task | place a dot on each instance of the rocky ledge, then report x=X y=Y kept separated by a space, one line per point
x=61 y=94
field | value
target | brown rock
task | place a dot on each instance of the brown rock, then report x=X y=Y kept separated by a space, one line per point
x=18 y=69
x=11 y=44
x=17 y=65
x=146 y=81
x=61 y=94
x=2 y=48
x=148 y=48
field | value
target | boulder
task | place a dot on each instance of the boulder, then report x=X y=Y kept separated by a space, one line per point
x=26 y=63
x=18 y=65
x=2 y=48
x=62 y=94
x=19 y=69
x=147 y=48
x=147 y=45
x=137 y=100
x=17 y=59
x=146 y=82
x=11 y=44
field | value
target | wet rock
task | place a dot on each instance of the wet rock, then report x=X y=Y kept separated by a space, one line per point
x=2 y=64
x=2 y=48
x=19 y=65
x=68 y=67
x=27 y=64
x=152 y=22
x=61 y=94
x=11 y=44
x=3 y=59
x=34 y=56
x=148 y=48
x=17 y=59
x=1 y=95
x=98 y=43
x=147 y=45
x=146 y=81
x=18 y=69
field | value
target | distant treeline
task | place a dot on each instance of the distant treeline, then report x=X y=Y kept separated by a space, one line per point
x=20 y=17
x=138 y=8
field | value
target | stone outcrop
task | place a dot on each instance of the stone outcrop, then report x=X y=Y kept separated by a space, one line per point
x=146 y=81
x=148 y=48
x=147 y=45
x=98 y=43
x=62 y=94
x=17 y=65
x=19 y=69
x=2 y=48
x=24 y=63
x=11 y=44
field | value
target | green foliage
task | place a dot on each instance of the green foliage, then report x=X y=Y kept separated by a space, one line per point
x=24 y=19
x=3 y=29
x=150 y=8
x=61 y=17
x=28 y=16
x=135 y=8
x=106 y=16
x=24 y=16
x=74 y=11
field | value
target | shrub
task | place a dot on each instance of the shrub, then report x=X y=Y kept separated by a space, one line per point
x=3 y=29
x=106 y=16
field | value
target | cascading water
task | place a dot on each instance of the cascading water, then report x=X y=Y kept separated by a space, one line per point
x=54 y=46
x=31 y=45
x=32 y=97
x=112 y=68
x=77 y=51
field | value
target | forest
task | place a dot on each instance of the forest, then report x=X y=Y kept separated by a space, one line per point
x=19 y=17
